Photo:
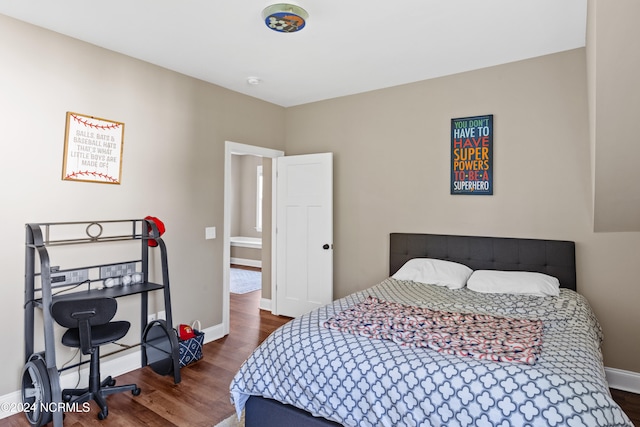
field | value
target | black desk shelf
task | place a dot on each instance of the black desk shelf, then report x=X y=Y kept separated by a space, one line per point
x=45 y=283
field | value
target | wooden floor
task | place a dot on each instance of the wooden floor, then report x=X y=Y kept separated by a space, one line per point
x=202 y=398
x=630 y=404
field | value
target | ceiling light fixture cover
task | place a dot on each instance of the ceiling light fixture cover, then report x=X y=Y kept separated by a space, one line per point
x=285 y=18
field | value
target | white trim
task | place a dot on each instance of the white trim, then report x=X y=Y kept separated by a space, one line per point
x=246 y=242
x=259 y=192
x=9 y=400
x=623 y=380
x=213 y=333
x=247 y=262
x=274 y=247
x=231 y=148
x=265 y=304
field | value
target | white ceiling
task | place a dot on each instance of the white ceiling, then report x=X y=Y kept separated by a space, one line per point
x=347 y=47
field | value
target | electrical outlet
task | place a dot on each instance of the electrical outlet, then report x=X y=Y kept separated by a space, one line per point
x=162 y=315
x=151 y=318
x=69 y=277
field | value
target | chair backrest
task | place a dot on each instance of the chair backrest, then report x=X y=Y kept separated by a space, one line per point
x=97 y=311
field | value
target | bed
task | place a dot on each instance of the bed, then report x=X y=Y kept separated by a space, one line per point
x=321 y=370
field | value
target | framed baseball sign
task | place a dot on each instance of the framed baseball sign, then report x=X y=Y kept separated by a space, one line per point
x=92 y=149
x=472 y=155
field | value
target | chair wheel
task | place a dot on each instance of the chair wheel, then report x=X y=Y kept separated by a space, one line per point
x=66 y=397
x=136 y=391
x=112 y=382
x=101 y=415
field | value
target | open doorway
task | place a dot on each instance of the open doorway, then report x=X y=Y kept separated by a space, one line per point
x=247 y=184
x=267 y=233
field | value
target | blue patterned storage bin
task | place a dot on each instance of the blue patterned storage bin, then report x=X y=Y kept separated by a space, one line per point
x=191 y=349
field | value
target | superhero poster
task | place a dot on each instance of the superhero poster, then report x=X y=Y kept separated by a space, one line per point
x=472 y=155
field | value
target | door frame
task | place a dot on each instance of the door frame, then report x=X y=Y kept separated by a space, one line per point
x=231 y=148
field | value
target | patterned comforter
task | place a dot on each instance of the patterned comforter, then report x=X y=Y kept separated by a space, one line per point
x=497 y=338
x=359 y=381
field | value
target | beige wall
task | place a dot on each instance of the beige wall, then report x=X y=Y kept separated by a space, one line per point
x=613 y=64
x=244 y=195
x=391 y=169
x=173 y=163
x=392 y=152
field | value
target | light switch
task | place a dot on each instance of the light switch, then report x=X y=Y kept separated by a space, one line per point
x=210 y=233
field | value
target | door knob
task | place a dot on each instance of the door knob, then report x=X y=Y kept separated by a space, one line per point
x=325 y=246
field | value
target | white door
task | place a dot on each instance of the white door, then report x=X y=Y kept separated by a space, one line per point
x=304 y=233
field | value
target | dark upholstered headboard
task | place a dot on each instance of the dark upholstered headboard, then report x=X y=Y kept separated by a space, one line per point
x=553 y=257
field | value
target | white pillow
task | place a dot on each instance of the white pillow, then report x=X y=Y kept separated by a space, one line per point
x=513 y=282
x=434 y=272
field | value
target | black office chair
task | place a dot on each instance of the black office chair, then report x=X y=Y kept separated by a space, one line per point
x=90 y=326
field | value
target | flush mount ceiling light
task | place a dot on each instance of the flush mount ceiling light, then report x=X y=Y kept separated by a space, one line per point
x=254 y=81
x=285 y=18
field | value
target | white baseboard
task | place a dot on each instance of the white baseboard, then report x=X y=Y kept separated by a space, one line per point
x=213 y=333
x=265 y=304
x=248 y=262
x=623 y=380
x=113 y=366
x=8 y=401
